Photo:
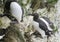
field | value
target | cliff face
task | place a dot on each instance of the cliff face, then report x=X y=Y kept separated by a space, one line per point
x=54 y=16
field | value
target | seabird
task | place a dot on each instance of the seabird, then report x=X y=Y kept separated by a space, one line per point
x=13 y=10
x=42 y=23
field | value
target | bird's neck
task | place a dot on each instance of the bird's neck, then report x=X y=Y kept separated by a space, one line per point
x=35 y=18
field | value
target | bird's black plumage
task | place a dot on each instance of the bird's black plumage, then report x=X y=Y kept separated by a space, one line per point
x=50 y=22
x=7 y=5
x=47 y=19
x=43 y=26
x=2 y=31
x=7 y=10
x=41 y=23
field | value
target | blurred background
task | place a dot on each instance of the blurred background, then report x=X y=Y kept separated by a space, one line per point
x=47 y=8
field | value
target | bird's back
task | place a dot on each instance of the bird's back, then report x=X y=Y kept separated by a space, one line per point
x=42 y=25
x=47 y=19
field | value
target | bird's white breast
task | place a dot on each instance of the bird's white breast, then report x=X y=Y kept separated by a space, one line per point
x=16 y=10
x=36 y=27
x=2 y=36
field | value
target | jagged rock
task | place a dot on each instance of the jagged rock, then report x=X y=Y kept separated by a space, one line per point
x=13 y=34
x=4 y=22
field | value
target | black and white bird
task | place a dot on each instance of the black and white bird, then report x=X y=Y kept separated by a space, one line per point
x=13 y=9
x=2 y=33
x=42 y=23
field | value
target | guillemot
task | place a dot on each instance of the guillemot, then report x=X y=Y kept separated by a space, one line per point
x=42 y=23
x=13 y=10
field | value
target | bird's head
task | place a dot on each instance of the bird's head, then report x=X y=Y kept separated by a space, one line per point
x=7 y=5
x=35 y=15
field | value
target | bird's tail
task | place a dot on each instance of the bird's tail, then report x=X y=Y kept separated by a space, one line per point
x=48 y=33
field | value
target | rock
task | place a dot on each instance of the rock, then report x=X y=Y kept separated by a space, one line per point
x=4 y=22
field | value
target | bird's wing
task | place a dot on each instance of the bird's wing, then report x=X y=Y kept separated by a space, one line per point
x=44 y=23
x=47 y=19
